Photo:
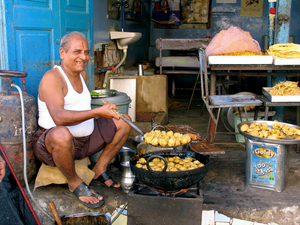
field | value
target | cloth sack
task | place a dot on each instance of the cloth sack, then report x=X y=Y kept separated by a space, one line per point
x=232 y=40
x=51 y=175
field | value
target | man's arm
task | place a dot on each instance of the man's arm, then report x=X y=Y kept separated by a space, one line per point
x=52 y=92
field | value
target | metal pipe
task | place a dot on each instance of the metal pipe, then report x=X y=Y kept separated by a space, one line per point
x=110 y=71
x=25 y=152
x=123 y=15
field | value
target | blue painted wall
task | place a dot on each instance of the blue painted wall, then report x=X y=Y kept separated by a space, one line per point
x=145 y=49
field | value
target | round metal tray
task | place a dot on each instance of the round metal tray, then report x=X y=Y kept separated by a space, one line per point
x=104 y=93
x=288 y=141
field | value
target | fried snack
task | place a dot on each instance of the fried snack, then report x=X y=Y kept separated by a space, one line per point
x=142 y=160
x=284 y=50
x=169 y=138
x=244 y=127
x=278 y=130
x=285 y=88
x=194 y=136
x=175 y=163
x=241 y=53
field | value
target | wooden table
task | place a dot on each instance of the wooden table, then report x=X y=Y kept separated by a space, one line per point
x=253 y=71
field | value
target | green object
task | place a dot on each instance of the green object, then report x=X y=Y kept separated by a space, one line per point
x=95 y=93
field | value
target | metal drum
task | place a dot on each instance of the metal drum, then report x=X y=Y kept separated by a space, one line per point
x=267 y=159
x=11 y=139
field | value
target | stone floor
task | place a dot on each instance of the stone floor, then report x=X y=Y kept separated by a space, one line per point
x=223 y=187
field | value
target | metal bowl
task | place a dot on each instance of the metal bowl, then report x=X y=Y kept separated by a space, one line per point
x=287 y=141
x=104 y=93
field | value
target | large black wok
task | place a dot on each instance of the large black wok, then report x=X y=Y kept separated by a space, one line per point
x=169 y=181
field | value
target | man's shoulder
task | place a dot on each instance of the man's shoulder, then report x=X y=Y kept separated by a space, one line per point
x=52 y=74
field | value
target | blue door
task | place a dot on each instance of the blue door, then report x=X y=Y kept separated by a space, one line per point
x=34 y=29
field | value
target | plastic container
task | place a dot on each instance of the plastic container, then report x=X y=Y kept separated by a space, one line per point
x=237 y=120
x=121 y=100
x=266 y=165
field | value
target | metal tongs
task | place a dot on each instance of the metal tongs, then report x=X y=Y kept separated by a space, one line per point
x=119 y=114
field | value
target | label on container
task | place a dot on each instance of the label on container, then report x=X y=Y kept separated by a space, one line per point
x=263 y=165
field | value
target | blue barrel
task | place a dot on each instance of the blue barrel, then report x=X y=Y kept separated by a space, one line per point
x=11 y=139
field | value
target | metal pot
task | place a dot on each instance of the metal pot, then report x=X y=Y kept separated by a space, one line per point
x=127 y=177
x=166 y=180
x=125 y=154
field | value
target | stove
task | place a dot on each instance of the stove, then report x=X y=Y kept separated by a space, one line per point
x=148 y=206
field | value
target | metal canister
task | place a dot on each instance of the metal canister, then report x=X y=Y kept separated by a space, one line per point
x=266 y=165
x=127 y=177
x=11 y=139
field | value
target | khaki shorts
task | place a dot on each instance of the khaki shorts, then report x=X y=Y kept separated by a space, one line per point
x=104 y=132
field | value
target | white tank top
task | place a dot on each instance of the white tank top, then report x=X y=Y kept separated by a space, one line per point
x=73 y=101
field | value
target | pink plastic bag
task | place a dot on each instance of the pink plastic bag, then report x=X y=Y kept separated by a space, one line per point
x=232 y=40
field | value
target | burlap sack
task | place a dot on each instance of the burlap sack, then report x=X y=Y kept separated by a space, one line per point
x=232 y=40
x=51 y=175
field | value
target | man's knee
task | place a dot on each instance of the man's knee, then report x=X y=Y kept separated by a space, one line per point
x=60 y=135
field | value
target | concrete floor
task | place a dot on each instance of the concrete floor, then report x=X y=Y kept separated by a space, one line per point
x=223 y=187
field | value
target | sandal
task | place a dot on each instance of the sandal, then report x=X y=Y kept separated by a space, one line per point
x=104 y=177
x=84 y=190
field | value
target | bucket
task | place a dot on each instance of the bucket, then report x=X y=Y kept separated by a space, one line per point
x=121 y=100
x=240 y=138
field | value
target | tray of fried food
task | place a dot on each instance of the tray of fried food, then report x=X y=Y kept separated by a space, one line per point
x=284 y=50
x=270 y=131
x=285 y=54
x=185 y=129
x=284 y=91
x=166 y=139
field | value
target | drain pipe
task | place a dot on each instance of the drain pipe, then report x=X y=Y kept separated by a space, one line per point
x=25 y=152
x=110 y=71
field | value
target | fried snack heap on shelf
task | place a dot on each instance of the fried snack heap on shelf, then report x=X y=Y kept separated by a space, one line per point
x=285 y=88
x=240 y=53
x=278 y=130
x=164 y=138
x=175 y=163
x=284 y=50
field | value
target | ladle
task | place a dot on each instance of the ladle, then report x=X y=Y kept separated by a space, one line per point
x=119 y=114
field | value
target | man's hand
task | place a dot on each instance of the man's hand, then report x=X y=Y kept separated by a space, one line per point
x=107 y=111
x=2 y=169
